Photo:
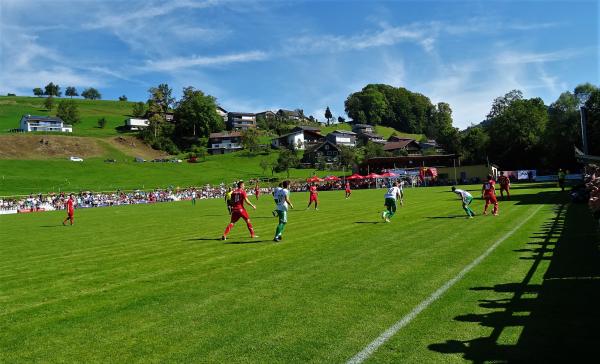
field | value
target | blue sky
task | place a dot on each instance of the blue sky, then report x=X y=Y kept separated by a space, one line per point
x=259 y=55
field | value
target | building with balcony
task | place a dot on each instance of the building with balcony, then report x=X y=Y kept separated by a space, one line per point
x=31 y=123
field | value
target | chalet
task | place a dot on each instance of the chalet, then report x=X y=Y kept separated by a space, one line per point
x=409 y=146
x=267 y=114
x=136 y=124
x=44 y=123
x=223 y=143
x=370 y=137
x=241 y=120
x=300 y=138
x=431 y=144
x=363 y=128
x=342 y=137
x=296 y=115
x=326 y=152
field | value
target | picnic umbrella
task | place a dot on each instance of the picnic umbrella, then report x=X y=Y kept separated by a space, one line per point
x=332 y=178
x=313 y=179
x=372 y=175
x=356 y=176
x=389 y=174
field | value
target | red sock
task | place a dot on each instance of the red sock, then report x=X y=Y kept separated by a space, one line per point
x=228 y=229
x=250 y=228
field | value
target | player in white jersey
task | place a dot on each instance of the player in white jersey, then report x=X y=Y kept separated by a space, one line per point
x=391 y=196
x=466 y=199
x=274 y=212
x=282 y=198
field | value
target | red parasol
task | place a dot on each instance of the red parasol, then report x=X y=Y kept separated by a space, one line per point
x=372 y=175
x=355 y=176
x=314 y=179
x=389 y=174
x=331 y=178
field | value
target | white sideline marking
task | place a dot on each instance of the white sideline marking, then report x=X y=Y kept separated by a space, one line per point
x=387 y=334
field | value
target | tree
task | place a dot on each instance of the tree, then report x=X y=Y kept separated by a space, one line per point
x=38 y=92
x=52 y=90
x=122 y=98
x=341 y=120
x=139 y=109
x=373 y=150
x=71 y=91
x=196 y=113
x=200 y=151
x=563 y=131
x=101 y=123
x=264 y=165
x=592 y=107
x=516 y=130
x=287 y=159
x=48 y=103
x=328 y=114
x=502 y=102
x=474 y=142
x=91 y=94
x=161 y=99
x=250 y=140
x=347 y=156
x=67 y=110
x=390 y=106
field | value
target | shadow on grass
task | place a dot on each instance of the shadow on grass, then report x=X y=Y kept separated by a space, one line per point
x=447 y=217
x=245 y=242
x=368 y=222
x=53 y=226
x=202 y=239
x=559 y=318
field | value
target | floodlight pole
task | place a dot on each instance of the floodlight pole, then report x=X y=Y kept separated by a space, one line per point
x=583 y=113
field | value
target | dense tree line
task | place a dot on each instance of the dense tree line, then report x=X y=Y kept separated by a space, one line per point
x=517 y=132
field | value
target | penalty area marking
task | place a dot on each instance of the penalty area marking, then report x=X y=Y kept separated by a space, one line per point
x=392 y=330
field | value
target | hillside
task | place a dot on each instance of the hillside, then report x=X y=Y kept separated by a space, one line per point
x=115 y=112
x=44 y=147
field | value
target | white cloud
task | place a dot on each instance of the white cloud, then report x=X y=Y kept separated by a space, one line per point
x=179 y=63
x=514 y=57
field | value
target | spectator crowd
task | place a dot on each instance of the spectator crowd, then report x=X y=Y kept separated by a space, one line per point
x=592 y=185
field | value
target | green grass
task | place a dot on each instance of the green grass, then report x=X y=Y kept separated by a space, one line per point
x=21 y=177
x=115 y=112
x=152 y=283
x=384 y=131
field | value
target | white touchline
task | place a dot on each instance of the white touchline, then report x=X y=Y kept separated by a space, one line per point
x=387 y=334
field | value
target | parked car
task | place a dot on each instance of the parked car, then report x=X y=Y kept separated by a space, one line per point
x=110 y=160
x=140 y=159
x=175 y=161
x=76 y=159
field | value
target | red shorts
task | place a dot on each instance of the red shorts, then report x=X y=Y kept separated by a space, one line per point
x=348 y=191
x=239 y=213
x=490 y=199
x=313 y=198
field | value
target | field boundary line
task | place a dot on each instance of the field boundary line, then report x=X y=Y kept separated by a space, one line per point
x=392 y=330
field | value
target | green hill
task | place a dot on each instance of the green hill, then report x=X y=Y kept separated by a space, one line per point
x=12 y=108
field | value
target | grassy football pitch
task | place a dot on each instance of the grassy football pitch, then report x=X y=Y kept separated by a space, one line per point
x=153 y=283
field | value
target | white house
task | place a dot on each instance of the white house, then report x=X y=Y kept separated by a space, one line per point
x=300 y=137
x=342 y=137
x=44 y=123
x=136 y=124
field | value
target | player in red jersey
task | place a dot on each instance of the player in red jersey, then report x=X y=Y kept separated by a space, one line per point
x=256 y=191
x=238 y=197
x=313 y=197
x=488 y=192
x=348 y=191
x=70 y=210
x=504 y=185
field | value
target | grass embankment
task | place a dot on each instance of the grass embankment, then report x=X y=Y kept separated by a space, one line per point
x=152 y=283
x=21 y=177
